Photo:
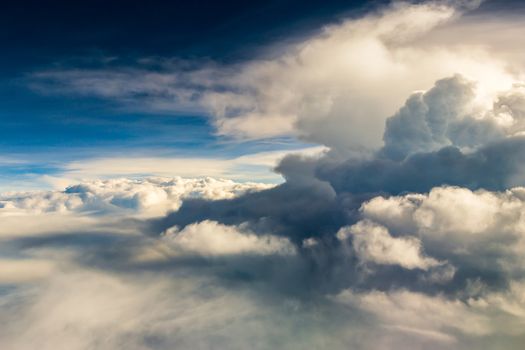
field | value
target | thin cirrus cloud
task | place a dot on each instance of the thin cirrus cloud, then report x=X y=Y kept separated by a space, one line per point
x=416 y=243
x=254 y=166
x=250 y=167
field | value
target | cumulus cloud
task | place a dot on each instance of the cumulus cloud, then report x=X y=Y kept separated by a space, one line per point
x=373 y=243
x=437 y=267
x=440 y=318
x=436 y=270
x=447 y=115
x=148 y=195
x=417 y=244
x=102 y=205
x=210 y=238
x=463 y=225
x=435 y=119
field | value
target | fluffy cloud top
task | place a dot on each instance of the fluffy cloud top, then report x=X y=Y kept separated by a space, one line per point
x=447 y=115
x=150 y=195
x=451 y=211
x=373 y=243
x=209 y=238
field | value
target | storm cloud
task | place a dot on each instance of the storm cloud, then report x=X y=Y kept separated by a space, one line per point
x=416 y=241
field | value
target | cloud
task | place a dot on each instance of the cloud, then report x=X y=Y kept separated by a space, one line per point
x=87 y=309
x=416 y=244
x=16 y=271
x=426 y=315
x=463 y=225
x=245 y=168
x=234 y=282
x=447 y=115
x=435 y=119
x=425 y=244
x=440 y=318
x=102 y=205
x=324 y=88
x=495 y=167
x=324 y=193
x=209 y=238
x=373 y=243
x=83 y=309
x=297 y=211
x=153 y=196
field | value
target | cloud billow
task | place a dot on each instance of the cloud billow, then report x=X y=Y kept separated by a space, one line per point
x=416 y=242
x=432 y=223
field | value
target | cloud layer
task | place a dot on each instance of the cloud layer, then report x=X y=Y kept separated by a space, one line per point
x=416 y=242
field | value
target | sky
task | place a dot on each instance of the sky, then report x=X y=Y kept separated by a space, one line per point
x=45 y=129
x=262 y=175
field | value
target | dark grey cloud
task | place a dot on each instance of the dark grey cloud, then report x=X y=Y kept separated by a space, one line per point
x=495 y=167
x=457 y=146
x=436 y=139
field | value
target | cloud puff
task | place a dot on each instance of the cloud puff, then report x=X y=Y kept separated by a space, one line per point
x=447 y=115
x=437 y=118
x=373 y=243
x=148 y=195
x=481 y=232
x=102 y=205
x=209 y=238
x=450 y=211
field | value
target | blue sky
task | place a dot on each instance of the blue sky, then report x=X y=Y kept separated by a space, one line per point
x=43 y=130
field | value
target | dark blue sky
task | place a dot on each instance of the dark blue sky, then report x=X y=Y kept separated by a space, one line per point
x=42 y=32
x=40 y=35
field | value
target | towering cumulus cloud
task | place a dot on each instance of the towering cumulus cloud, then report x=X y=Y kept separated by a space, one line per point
x=408 y=232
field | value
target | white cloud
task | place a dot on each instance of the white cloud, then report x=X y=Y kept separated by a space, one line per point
x=15 y=271
x=449 y=210
x=439 y=317
x=83 y=309
x=249 y=167
x=209 y=238
x=448 y=115
x=373 y=243
x=419 y=312
x=310 y=242
x=148 y=196
x=460 y=223
x=64 y=299
x=102 y=205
